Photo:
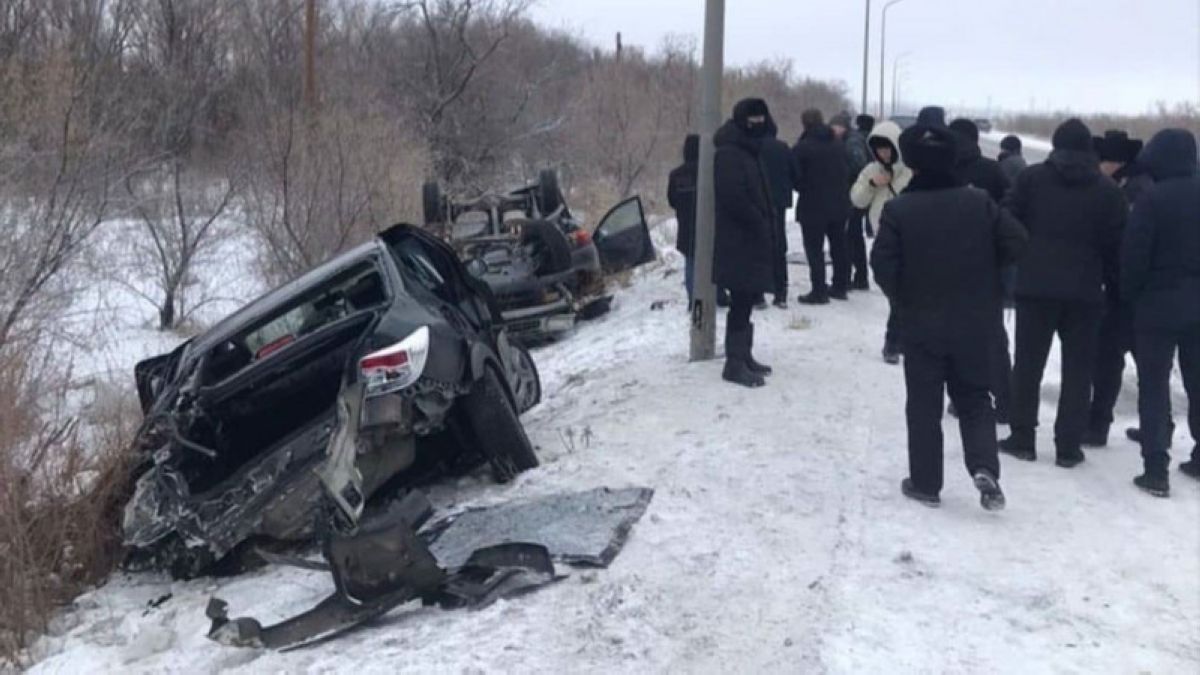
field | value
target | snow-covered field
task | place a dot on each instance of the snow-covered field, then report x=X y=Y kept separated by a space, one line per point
x=777 y=540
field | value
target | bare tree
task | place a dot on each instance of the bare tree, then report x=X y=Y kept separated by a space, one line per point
x=177 y=213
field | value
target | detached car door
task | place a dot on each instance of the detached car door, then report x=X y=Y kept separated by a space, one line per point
x=623 y=238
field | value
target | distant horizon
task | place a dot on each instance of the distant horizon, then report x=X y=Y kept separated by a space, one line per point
x=1112 y=59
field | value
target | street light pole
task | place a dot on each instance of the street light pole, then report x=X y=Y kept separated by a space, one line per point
x=883 y=50
x=866 y=55
x=895 y=79
x=704 y=293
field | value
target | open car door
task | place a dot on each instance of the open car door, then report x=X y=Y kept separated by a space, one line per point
x=623 y=238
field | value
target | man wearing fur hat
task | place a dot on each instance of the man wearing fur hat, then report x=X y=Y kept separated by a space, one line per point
x=1117 y=153
x=937 y=257
x=1075 y=216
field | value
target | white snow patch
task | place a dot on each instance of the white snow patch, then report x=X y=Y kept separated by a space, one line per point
x=777 y=540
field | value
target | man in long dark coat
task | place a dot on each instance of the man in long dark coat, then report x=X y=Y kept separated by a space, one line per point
x=745 y=239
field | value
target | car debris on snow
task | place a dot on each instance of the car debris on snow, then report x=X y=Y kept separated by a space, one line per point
x=477 y=557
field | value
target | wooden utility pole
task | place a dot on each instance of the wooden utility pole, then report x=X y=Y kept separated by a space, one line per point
x=310 y=54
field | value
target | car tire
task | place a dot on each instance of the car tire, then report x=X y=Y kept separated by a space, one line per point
x=431 y=203
x=552 y=251
x=496 y=428
x=548 y=191
x=526 y=367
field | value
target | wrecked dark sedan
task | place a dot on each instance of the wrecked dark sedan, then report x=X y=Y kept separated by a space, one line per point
x=546 y=269
x=292 y=413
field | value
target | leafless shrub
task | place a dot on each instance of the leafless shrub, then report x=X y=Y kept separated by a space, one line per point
x=1182 y=116
x=60 y=500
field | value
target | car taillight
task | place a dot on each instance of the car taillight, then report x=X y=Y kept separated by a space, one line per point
x=582 y=237
x=398 y=366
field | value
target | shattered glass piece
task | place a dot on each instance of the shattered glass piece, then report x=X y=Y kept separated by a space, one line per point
x=583 y=528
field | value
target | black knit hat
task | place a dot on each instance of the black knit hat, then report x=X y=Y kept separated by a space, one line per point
x=865 y=123
x=1010 y=143
x=1073 y=135
x=1116 y=146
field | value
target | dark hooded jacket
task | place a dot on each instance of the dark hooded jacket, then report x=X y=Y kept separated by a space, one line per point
x=858 y=153
x=681 y=194
x=780 y=166
x=940 y=246
x=744 y=257
x=1134 y=181
x=1160 y=257
x=972 y=167
x=1012 y=163
x=1075 y=216
x=822 y=178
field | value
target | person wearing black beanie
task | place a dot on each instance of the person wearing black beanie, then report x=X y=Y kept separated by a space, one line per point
x=1075 y=216
x=937 y=257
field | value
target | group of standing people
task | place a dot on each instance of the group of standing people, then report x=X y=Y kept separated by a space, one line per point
x=1099 y=245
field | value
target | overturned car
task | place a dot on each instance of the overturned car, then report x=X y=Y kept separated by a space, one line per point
x=292 y=413
x=545 y=268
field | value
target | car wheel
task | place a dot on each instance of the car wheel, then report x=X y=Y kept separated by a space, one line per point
x=548 y=192
x=496 y=429
x=431 y=203
x=526 y=382
x=551 y=250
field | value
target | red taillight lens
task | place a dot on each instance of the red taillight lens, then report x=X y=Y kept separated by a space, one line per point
x=396 y=367
x=582 y=237
x=393 y=360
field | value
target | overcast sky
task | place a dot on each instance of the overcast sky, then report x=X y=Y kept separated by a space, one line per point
x=1085 y=55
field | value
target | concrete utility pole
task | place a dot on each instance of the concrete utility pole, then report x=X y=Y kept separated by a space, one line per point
x=310 y=54
x=883 y=50
x=704 y=293
x=866 y=56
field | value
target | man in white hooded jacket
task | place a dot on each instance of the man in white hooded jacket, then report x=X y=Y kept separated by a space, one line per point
x=878 y=183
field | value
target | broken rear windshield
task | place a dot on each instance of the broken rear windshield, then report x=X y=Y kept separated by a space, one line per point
x=359 y=288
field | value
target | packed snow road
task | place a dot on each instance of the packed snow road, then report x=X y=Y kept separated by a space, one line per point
x=777 y=541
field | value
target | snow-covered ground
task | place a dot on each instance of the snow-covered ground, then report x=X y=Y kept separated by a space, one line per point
x=777 y=540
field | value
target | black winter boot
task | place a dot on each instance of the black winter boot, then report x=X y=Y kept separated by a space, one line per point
x=912 y=492
x=1096 y=436
x=1021 y=444
x=1154 y=484
x=737 y=351
x=754 y=366
x=1191 y=468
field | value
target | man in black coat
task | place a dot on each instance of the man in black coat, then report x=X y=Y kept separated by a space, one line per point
x=681 y=195
x=1117 y=153
x=937 y=257
x=822 y=204
x=1075 y=216
x=1160 y=261
x=781 y=175
x=858 y=156
x=981 y=172
x=1012 y=162
x=745 y=256
x=972 y=167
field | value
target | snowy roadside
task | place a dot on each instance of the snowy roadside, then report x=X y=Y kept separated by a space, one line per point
x=777 y=540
